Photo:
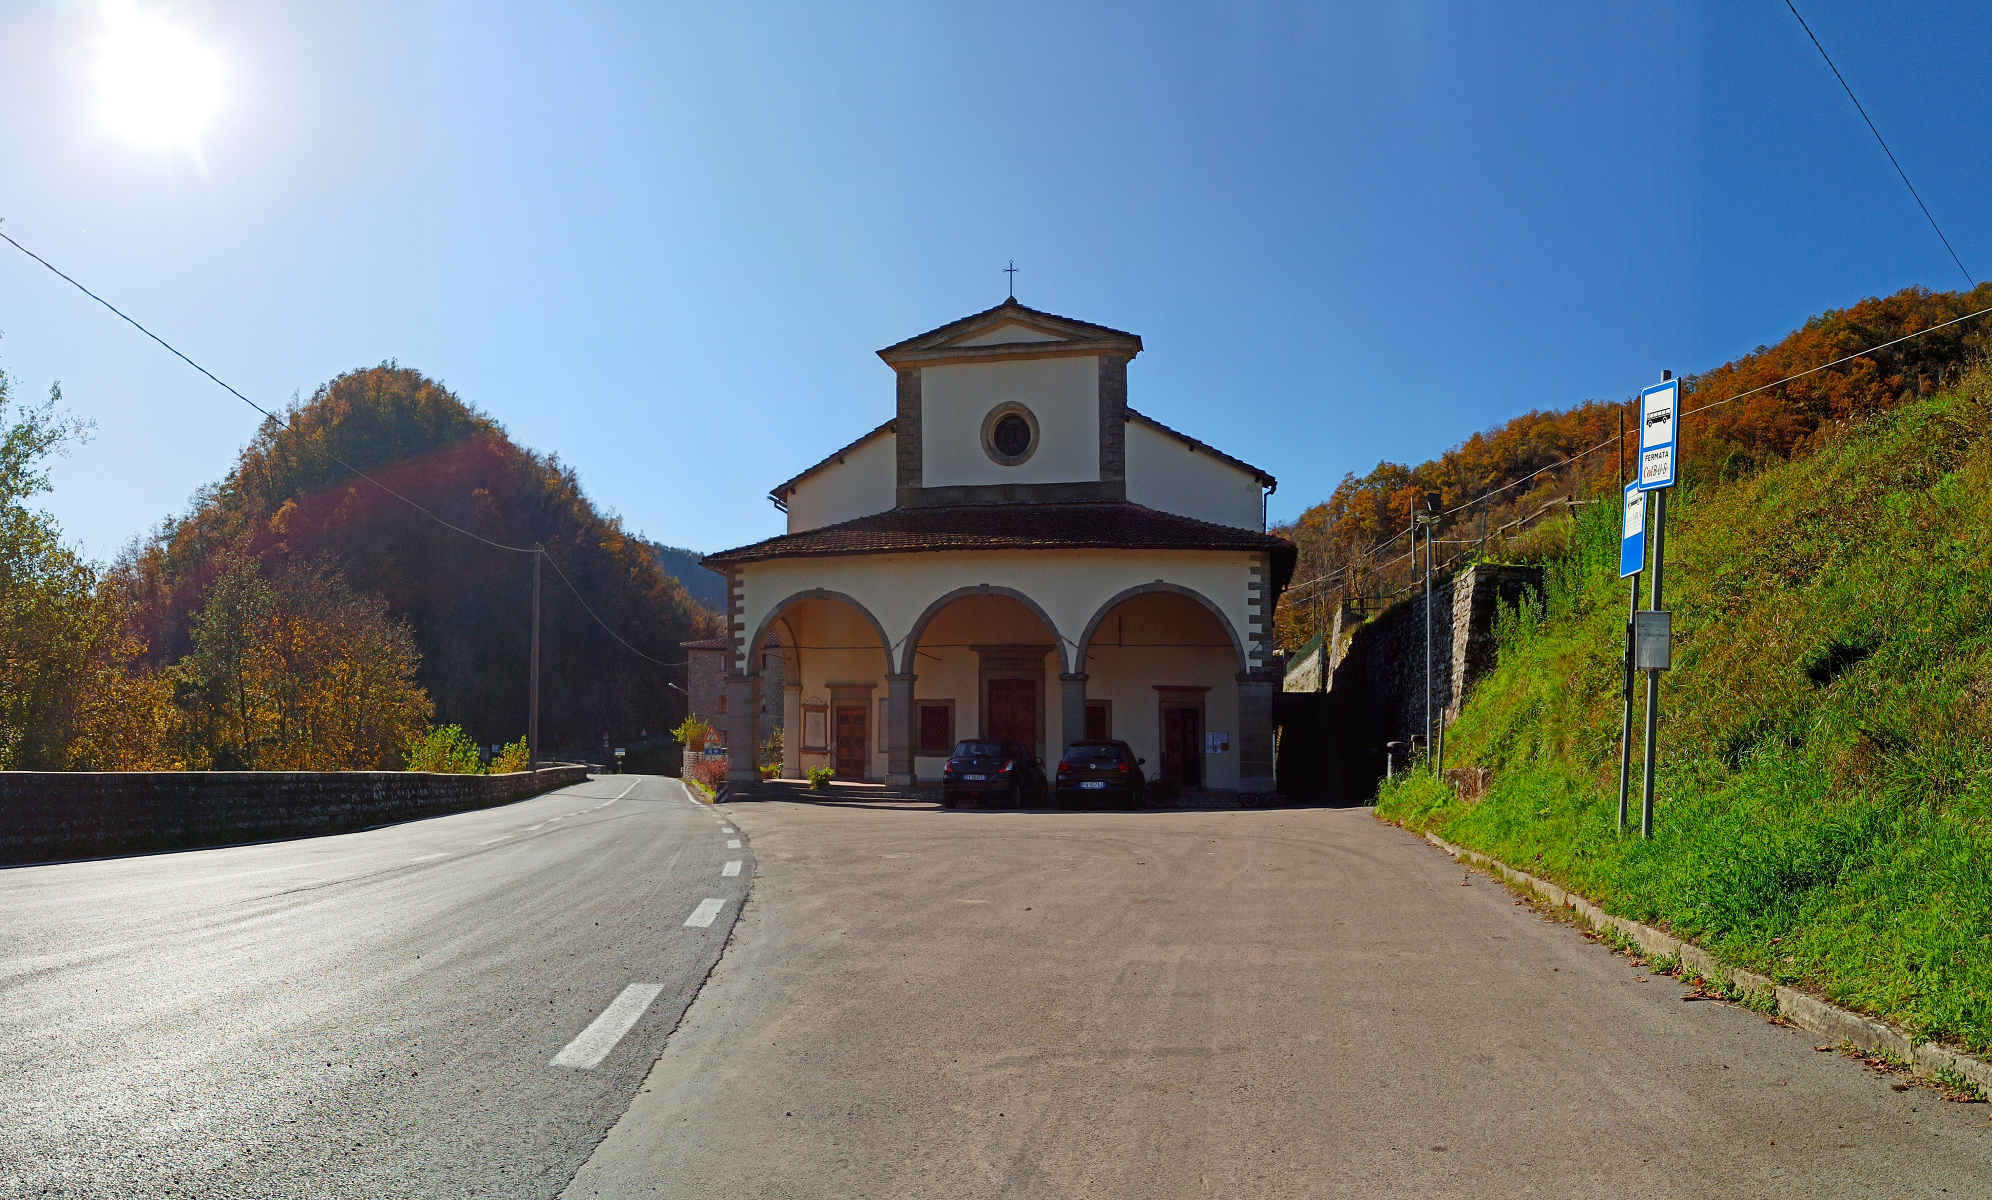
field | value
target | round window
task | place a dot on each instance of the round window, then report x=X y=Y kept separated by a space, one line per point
x=1012 y=435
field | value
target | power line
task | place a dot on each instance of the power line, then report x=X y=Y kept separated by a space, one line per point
x=285 y=423
x=1492 y=492
x=1878 y=138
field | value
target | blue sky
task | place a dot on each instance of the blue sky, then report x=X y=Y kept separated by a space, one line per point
x=664 y=241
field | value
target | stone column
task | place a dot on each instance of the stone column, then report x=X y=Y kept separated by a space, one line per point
x=1072 y=706
x=899 y=731
x=1255 y=732
x=792 y=731
x=743 y=730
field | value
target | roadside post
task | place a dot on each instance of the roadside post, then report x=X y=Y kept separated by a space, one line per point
x=1659 y=461
x=1632 y=563
x=1429 y=520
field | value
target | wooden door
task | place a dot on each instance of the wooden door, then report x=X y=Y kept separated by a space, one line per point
x=851 y=755
x=1013 y=711
x=1182 y=744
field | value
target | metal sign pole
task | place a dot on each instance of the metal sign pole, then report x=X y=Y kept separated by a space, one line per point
x=1659 y=470
x=1625 y=725
x=1652 y=674
x=532 y=705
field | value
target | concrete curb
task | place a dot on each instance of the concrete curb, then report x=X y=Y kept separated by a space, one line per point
x=1805 y=1011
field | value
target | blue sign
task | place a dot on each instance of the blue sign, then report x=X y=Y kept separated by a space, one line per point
x=1632 y=537
x=1660 y=419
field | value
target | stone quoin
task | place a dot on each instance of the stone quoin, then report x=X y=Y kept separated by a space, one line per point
x=1014 y=554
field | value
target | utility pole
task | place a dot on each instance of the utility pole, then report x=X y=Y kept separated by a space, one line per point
x=1625 y=723
x=1429 y=519
x=532 y=705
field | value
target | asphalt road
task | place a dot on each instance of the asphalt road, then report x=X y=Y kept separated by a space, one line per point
x=1241 y=1004
x=374 y=1014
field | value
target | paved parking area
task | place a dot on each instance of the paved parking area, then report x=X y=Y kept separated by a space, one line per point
x=1245 y=1003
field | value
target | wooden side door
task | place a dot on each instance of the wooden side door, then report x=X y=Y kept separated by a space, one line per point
x=1013 y=711
x=1182 y=744
x=851 y=748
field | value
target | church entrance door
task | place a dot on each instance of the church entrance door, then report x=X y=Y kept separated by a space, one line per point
x=1013 y=711
x=1182 y=744
x=851 y=741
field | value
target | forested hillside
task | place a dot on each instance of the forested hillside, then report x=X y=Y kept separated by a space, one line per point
x=288 y=504
x=1355 y=536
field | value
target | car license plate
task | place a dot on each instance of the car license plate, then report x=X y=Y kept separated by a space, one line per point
x=976 y=778
x=1094 y=784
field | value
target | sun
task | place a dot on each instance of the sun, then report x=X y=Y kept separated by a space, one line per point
x=157 y=85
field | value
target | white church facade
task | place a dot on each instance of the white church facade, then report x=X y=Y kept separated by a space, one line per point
x=1015 y=554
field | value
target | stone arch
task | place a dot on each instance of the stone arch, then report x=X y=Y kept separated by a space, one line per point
x=1223 y=622
x=779 y=610
x=981 y=589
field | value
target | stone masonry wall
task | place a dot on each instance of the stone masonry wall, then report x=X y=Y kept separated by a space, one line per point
x=47 y=816
x=1376 y=686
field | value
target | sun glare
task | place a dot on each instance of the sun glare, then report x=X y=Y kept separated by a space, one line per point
x=158 y=86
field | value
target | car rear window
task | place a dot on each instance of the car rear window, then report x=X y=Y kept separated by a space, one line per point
x=979 y=750
x=1093 y=754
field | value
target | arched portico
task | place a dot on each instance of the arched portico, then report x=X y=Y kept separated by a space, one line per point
x=839 y=663
x=1165 y=671
x=979 y=661
x=1223 y=622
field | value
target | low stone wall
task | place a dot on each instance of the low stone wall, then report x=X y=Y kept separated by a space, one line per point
x=48 y=816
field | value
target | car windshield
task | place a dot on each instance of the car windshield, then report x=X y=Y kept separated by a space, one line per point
x=979 y=750
x=1093 y=754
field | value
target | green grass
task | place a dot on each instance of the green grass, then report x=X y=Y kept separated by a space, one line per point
x=1825 y=749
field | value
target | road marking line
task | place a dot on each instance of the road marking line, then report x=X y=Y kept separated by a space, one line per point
x=733 y=844
x=594 y=1043
x=731 y=868
x=429 y=857
x=626 y=791
x=494 y=841
x=703 y=915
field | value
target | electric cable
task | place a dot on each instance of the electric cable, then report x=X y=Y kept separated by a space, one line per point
x=1877 y=137
x=285 y=423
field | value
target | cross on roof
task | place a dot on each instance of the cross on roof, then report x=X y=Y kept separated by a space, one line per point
x=1011 y=271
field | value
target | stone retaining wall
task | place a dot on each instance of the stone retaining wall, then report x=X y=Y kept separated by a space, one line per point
x=48 y=816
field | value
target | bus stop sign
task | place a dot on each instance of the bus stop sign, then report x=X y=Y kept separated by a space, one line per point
x=1660 y=419
x=1632 y=538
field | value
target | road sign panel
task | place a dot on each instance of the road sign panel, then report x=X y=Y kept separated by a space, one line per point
x=1659 y=429
x=1632 y=539
x=1653 y=640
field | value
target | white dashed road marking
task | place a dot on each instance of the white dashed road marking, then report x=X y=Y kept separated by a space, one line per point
x=732 y=868
x=703 y=915
x=429 y=858
x=734 y=844
x=728 y=829
x=595 y=1042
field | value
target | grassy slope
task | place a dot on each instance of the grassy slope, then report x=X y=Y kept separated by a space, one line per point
x=1825 y=776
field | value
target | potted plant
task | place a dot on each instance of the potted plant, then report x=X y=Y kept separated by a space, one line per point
x=820 y=777
x=693 y=732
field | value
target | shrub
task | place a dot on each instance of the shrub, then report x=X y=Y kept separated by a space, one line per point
x=820 y=777
x=708 y=771
x=693 y=729
x=515 y=757
x=446 y=749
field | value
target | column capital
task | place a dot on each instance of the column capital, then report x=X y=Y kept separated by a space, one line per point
x=901 y=679
x=1074 y=677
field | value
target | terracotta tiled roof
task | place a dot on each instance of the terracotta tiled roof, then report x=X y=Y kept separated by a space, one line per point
x=1083 y=330
x=781 y=490
x=711 y=643
x=1106 y=525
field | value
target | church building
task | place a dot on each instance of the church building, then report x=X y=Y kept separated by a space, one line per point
x=1014 y=554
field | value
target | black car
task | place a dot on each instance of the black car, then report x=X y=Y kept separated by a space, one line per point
x=992 y=773
x=1101 y=771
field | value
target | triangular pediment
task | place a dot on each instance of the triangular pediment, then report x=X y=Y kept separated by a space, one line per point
x=1011 y=328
